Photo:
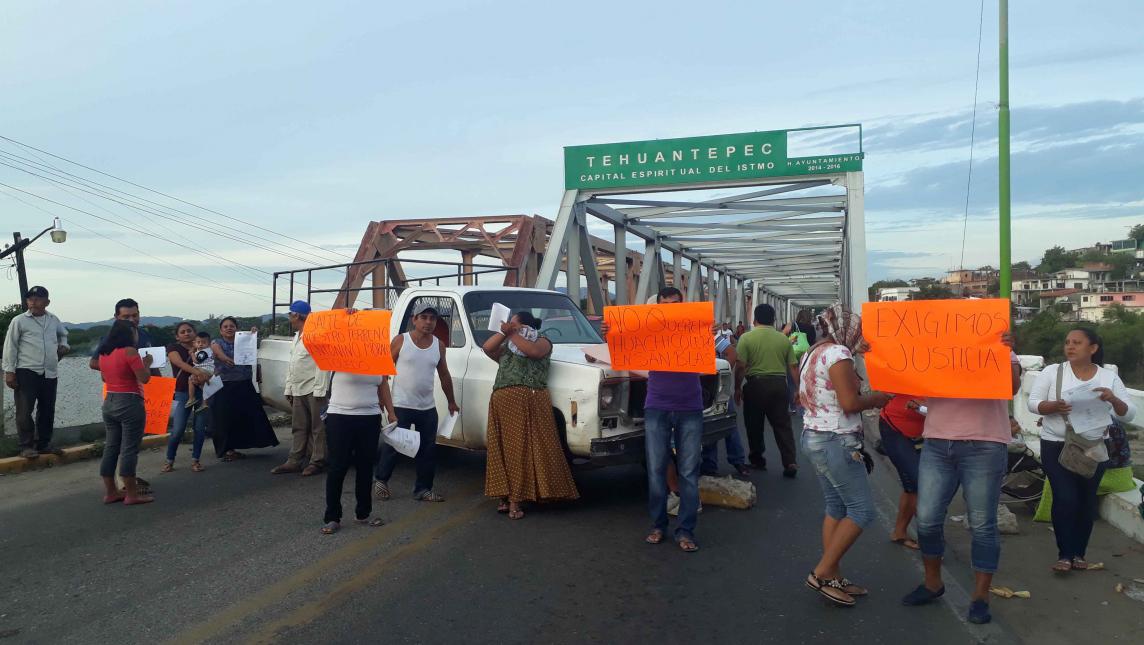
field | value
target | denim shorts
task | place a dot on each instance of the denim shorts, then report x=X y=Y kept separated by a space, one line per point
x=841 y=470
x=905 y=453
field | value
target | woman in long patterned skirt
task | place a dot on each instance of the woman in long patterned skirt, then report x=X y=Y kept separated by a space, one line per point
x=525 y=460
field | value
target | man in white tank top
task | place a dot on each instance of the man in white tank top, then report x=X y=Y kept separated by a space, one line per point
x=418 y=354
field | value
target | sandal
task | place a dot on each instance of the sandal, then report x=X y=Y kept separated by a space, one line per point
x=330 y=528
x=655 y=537
x=1080 y=564
x=1062 y=566
x=196 y=467
x=381 y=490
x=502 y=506
x=906 y=542
x=112 y=499
x=687 y=544
x=831 y=589
x=285 y=469
x=141 y=499
x=431 y=496
x=311 y=470
x=853 y=589
x=168 y=467
x=515 y=513
x=377 y=521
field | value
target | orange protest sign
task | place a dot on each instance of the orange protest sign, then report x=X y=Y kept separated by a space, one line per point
x=157 y=395
x=356 y=343
x=940 y=348
x=667 y=338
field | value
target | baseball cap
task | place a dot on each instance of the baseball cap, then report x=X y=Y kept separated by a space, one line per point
x=422 y=307
x=37 y=292
x=300 y=307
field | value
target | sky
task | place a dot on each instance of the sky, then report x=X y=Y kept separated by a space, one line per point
x=311 y=119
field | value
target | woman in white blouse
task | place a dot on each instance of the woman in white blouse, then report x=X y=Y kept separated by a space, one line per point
x=1090 y=395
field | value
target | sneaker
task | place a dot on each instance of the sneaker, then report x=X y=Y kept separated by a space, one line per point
x=672 y=504
x=381 y=490
x=922 y=596
x=428 y=496
x=979 y=612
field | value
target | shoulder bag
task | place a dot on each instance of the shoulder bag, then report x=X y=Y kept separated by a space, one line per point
x=1079 y=455
x=799 y=342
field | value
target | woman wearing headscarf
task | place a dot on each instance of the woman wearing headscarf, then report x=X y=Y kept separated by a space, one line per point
x=237 y=418
x=832 y=439
x=524 y=460
x=1081 y=377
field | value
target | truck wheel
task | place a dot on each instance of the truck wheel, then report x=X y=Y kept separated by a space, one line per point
x=562 y=433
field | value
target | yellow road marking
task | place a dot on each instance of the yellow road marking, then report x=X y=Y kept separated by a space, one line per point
x=307 y=613
x=277 y=592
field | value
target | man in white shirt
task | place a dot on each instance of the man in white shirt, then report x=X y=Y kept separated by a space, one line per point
x=418 y=355
x=306 y=389
x=35 y=342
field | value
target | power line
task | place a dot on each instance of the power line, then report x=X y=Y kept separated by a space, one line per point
x=157 y=192
x=972 y=134
x=43 y=166
x=135 y=271
x=158 y=214
x=137 y=230
x=110 y=239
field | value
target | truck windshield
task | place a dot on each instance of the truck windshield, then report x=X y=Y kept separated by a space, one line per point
x=561 y=321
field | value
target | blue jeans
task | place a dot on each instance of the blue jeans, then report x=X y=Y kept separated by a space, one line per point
x=841 y=471
x=660 y=426
x=179 y=415
x=976 y=466
x=736 y=453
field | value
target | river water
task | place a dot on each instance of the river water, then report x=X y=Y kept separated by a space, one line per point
x=78 y=397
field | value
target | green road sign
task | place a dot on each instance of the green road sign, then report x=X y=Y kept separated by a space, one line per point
x=665 y=162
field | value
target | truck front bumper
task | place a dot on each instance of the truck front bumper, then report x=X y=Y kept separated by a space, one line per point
x=630 y=447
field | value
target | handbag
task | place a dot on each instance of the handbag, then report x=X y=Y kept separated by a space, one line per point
x=1079 y=455
x=799 y=342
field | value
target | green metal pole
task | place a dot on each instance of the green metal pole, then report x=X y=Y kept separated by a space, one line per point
x=1006 y=277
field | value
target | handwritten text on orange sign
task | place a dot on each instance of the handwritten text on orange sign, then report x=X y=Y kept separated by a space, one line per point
x=667 y=338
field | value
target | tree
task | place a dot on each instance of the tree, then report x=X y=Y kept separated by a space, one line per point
x=933 y=291
x=1056 y=259
x=1123 y=264
x=883 y=284
x=6 y=316
x=1137 y=233
x=1021 y=267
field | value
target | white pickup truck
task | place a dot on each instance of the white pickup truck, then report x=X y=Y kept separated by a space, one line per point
x=598 y=410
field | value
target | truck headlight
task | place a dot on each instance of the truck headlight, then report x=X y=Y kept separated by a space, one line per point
x=607 y=396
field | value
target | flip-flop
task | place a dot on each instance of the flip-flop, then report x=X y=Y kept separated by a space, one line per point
x=687 y=545
x=908 y=543
x=655 y=537
x=112 y=499
x=502 y=507
x=377 y=521
x=330 y=528
x=134 y=501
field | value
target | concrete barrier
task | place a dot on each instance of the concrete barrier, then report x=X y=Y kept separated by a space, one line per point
x=1121 y=510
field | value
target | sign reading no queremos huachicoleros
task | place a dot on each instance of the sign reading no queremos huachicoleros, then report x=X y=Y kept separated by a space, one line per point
x=695 y=159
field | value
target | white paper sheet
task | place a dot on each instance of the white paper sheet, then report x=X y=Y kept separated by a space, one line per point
x=246 y=348
x=448 y=425
x=212 y=386
x=403 y=440
x=158 y=356
x=1088 y=411
x=499 y=315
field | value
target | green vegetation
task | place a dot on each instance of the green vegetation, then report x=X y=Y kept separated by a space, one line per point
x=1057 y=259
x=1122 y=331
x=6 y=316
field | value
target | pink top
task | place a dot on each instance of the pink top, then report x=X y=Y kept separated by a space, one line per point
x=969 y=419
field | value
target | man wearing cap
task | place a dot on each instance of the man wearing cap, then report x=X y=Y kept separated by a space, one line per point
x=418 y=354
x=125 y=309
x=35 y=342
x=306 y=389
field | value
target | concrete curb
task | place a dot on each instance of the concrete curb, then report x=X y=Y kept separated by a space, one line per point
x=72 y=454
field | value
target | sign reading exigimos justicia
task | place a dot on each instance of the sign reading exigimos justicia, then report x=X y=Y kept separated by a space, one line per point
x=694 y=159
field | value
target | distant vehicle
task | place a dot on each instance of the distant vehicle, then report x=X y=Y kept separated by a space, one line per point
x=598 y=411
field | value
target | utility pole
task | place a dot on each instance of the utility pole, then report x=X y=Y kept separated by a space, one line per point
x=1004 y=199
x=21 y=271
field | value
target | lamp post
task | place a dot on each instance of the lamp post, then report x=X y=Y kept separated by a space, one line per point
x=59 y=236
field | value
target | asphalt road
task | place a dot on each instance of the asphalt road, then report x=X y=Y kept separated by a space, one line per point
x=234 y=555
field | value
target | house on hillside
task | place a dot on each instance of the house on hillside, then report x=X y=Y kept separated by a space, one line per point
x=1027 y=292
x=971 y=282
x=1051 y=298
x=1093 y=306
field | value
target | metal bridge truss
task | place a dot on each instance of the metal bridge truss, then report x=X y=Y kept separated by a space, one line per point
x=789 y=241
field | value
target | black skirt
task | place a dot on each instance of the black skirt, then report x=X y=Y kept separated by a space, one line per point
x=238 y=420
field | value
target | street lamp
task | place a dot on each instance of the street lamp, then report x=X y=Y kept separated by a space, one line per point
x=59 y=236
